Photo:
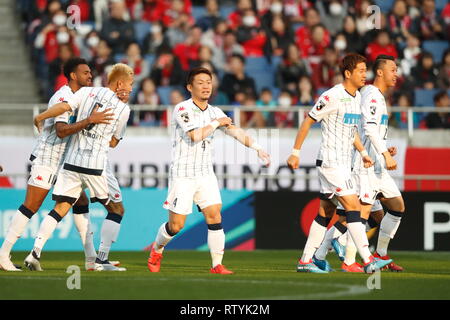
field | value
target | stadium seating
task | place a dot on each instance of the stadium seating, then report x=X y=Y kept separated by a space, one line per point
x=198 y=12
x=424 y=97
x=164 y=94
x=436 y=48
x=150 y=58
x=225 y=11
x=385 y=5
x=141 y=29
x=440 y=5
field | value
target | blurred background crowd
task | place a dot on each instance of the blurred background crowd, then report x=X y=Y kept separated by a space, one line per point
x=264 y=52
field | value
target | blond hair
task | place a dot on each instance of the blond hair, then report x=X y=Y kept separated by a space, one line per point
x=119 y=71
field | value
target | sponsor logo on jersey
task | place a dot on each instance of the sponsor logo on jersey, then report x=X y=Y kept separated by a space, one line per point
x=181 y=109
x=352 y=118
x=366 y=195
x=373 y=101
x=117 y=196
x=373 y=109
x=326 y=98
x=345 y=100
x=61 y=99
x=384 y=119
x=39 y=178
x=338 y=189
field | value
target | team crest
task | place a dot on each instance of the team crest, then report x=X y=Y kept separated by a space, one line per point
x=320 y=105
x=185 y=117
x=373 y=109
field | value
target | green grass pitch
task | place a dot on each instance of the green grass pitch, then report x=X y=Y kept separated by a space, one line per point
x=260 y=274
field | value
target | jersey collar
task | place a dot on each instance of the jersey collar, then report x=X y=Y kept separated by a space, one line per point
x=207 y=106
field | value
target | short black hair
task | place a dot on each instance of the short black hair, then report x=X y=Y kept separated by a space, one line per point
x=196 y=71
x=350 y=61
x=71 y=65
x=239 y=56
x=438 y=96
x=380 y=60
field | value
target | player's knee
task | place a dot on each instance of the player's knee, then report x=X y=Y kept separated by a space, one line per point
x=116 y=208
x=175 y=227
x=31 y=206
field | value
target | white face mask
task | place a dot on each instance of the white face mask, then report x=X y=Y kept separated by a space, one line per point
x=249 y=21
x=276 y=8
x=93 y=41
x=59 y=20
x=335 y=9
x=284 y=101
x=62 y=37
x=340 y=44
x=156 y=29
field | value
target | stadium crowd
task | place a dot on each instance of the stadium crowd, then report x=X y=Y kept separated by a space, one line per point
x=261 y=52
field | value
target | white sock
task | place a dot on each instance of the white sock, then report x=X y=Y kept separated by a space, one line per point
x=110 y=231
x=216 y=244
x=48 y=225
x=82 y=224
x=388 y=228
x=350 y=250
x=343 y=238
x=321 y=253
x=358 y=234
x=15 y=230
x=162 y=238
x=316 y=235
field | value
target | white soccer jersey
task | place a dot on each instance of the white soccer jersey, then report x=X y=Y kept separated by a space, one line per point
x=192 y=159
x=88 y=149
x=339 y=114
x=49 y=149
x=373 y=128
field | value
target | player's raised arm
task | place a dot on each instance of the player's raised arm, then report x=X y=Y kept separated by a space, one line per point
x=240 y=135
x=368 y=162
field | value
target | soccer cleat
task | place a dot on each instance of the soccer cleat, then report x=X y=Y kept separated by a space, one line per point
x=90 y=264
x=106 y=266
x=32 y=262
x=220 y=269
x=338 y=248
x=309 y=267
x=7 y=265
x=354 y=267
x=322 y=264
x=391 y=266
x=375 y=264
x=154 y=261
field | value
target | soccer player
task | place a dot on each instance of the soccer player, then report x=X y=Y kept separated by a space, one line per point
x=339 y=111
x=192 y=178
x=46 y=159
x=86 y=159
x=376 y=182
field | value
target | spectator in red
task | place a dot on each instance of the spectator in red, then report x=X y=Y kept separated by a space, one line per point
x=280 y=36
x=235 y=18
x=295 y=10
x=251 y=36
x=443 y=78
x=167 y=70
x=439 y=120
x=134 y=59
x=84 y=7
x=204 y=57
x=53 y=35
x=118 y=32
x=429 y=25
x=424 y=75
x=304 y=34
x=285 y=119
x=381 y=45
x=315 y=49
x=290 y=69
x=399 y=21
x=323 y=73
x=188 y=50
x=165 y=11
